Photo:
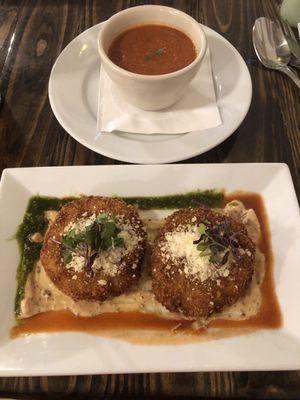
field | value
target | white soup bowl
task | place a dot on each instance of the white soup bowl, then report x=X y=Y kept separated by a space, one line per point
x=151 y=92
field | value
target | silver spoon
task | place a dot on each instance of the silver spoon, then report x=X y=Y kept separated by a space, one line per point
x=271 y=47
x=292 y=43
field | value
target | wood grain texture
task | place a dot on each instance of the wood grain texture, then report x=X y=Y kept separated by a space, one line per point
x=32 y=34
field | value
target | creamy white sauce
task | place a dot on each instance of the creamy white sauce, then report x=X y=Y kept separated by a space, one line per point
x=41 y=294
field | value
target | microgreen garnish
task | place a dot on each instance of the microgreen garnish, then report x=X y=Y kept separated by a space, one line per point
x=159 y=52
x=217 y=241
x=102 y=234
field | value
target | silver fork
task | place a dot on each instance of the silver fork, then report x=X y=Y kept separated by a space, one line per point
x=292 y=43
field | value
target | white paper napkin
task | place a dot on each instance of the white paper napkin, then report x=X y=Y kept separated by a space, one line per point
x=197 y=110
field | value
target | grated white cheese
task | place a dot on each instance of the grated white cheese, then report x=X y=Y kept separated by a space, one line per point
x=108 y=261
x=77 y=263
x=179 y=245
x=80 y=224
x=129 y=237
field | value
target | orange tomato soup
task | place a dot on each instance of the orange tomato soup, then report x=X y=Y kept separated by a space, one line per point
x=152 y=50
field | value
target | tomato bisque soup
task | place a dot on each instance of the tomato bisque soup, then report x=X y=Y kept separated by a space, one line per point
x=152 y=50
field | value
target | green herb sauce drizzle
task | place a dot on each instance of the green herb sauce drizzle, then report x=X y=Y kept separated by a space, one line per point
x=212 y=198
x=34 y=221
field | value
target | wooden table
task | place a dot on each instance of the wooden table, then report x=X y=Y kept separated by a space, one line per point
x=32 y=34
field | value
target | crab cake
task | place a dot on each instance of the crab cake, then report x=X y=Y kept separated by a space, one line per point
x=94 y=248
x=201 y=262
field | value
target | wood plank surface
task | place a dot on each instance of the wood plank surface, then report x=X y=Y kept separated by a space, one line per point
x=32 y=34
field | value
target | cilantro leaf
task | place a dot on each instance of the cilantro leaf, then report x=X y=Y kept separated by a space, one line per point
x=201 y=229
x=67 y=256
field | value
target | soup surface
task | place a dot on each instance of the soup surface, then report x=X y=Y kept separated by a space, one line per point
x=152 y=50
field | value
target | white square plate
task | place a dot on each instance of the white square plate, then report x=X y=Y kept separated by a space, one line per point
x=78 y=353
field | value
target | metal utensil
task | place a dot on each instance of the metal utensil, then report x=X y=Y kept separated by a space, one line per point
x=292 y=43
x=271 y=47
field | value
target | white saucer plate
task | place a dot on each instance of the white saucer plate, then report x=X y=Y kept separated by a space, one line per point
x=73 y=94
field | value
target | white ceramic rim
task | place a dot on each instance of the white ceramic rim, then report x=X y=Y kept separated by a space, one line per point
x=79 y=353
x=151 y=78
